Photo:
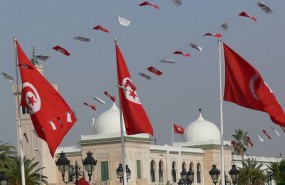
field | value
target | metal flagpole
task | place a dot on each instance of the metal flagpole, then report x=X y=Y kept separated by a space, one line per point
x=221 y=114
x=19 y=118
x=122 y=136
x=172 y=132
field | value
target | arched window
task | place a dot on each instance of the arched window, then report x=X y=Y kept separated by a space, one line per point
x=173 y=172
x=160 y=171
x=192 y=168
x=152 y=171
x=184 y=166
x=198 y=173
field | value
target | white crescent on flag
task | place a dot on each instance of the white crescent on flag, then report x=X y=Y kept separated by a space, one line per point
x=32 y=97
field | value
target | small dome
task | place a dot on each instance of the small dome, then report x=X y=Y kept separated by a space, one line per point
x=202 y=130
x=108 y=122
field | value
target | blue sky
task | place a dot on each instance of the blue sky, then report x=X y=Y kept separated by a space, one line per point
x=189 y=84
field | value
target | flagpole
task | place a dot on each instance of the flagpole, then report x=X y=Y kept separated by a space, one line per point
x=221 y=113
x=19 y=118
x=122 y=135
x=172 y=132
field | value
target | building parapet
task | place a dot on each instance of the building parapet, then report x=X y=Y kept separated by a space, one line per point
x=238 y=158
x=175 y=149
x=201 y=143
x=68 y=149
x=112 y=135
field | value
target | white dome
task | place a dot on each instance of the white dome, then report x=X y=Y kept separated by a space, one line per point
x=108 y=122
x=202 y=130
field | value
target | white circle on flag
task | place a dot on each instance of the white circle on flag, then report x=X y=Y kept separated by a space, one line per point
x=32 y=98
x=130 y=94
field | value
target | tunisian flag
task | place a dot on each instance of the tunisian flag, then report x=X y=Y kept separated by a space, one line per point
x=135 y=117
x=245 y=87
x=178 y=129
x=51 y=116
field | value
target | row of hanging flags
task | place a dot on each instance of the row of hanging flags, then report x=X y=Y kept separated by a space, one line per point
x=51 y=115
x=178 y=129
x=151 y=69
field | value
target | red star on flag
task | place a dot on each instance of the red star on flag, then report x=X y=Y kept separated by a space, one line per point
x=32 y=100
x=132 y=94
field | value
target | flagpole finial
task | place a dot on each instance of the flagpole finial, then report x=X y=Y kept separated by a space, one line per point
x=14 y=39
x=200 y=110
x=116 y=40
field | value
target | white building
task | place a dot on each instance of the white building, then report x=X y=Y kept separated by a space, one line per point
x=149 y=164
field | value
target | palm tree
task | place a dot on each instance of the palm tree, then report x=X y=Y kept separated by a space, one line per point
x=6 y=153
x=32 y=175
x=240 y=143
x=278 y=171
x=251 y=173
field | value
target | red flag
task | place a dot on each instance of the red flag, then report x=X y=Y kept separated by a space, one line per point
x=51 y=116
x=250 y=141
x=61 y=50
x=178 y=129
x=244 y=14
x=264 y=131
x=181 y=53
x=218 y=35
x=245 y=87
x=154 y=70
x=113 y=98
x=98 y=27
x=91 y=106
x=147 y=3
x=135 y=117
x=82 y=181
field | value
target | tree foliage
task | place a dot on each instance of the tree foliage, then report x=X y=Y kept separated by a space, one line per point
x=7 y=152
x=251 y=173
x=278 y=172
x=10 y=165
x=240 y=143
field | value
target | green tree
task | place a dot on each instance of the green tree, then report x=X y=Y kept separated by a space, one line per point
x=278 y=172
x=6 y=153
x=32 y=173
x=251 y=173
x=241 y=143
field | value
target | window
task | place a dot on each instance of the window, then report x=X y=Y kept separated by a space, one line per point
x=192 y=168
x=183 y=166
x=198 y=173
x=24 y=110
x=173 y=172
x=104 y=171
x=70 y=173
x=139 y=169
x=152 y=171
x=160 y=171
